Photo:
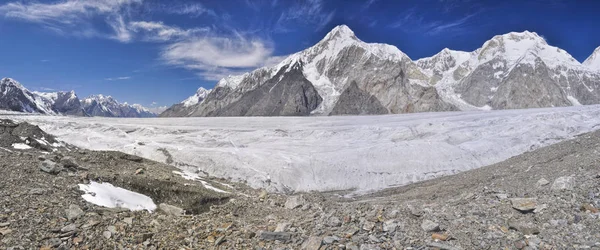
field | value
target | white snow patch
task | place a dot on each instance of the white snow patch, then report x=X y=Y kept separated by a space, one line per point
x=574 y=101
x=21 y=146
x=195 y=177
x=107 y=195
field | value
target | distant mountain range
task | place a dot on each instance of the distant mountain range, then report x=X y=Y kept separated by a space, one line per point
x=15 y=97
x=342 y=75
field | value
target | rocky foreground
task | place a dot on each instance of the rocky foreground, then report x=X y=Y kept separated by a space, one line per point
x=545 y=199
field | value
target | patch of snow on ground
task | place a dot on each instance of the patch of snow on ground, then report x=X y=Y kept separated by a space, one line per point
x=107 y=195
x=21 y=146
x=364 y=153
x=195 y=177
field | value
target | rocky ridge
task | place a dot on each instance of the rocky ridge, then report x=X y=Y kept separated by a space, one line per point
x=544 y=199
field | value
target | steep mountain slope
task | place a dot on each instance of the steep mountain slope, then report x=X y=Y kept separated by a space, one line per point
x=330 y=67
x=183 y=108
x=514 y=70
x=15 y=97
x=100 y=105
x=593 y=61
x=66 y=103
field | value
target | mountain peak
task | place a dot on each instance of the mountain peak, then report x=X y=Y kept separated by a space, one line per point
x=593 y=62
x=340 y=31
x=10 y=81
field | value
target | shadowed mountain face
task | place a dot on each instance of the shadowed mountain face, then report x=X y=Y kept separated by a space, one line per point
x=510 y=71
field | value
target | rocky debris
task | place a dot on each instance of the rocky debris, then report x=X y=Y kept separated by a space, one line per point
x=170 y=210
x=312 y=243
x=50 y=167
x=542 y=182
x=524 y=205
x=73 y=212
x=294 y=202
x=430 y=226
x=469 y=210
x=272 y=236
x=563 y=183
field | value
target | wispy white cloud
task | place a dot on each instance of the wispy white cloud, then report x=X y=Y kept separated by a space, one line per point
x=117 y=78
x=311 y=12
x=158 y=31
x=44 y=60
x=413 y=21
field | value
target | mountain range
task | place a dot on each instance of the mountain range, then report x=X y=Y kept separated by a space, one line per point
x=342 y=75
x=15 y=97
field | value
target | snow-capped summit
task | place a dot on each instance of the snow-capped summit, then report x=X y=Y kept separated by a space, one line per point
x=593 y=61
x=201 y=93
x=101 y=105
x=15 y=97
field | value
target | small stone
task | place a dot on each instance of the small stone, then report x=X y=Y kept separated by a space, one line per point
x=374 y=239
x=441 y=246
x=69 y=162
x=294 y=202
x=368 y=226
x=112 y=229
x=139 y=171
x=330 y=240
x=282 y=227
x=170 y=209
x=272 y=236
x=4 y=224
x=220 y=240
x=68 y=228
x=542 y=182
x=539 y=208
x=390 y=226
x=524 y=205
x=417 y=212
x=441 y=237
x=524 y=227
x=107 y=234
x=5 y=231
x=563 y=183
x=37 y=191
x=73 y=212
x=54 y=242
x=312 y=243
x=128 y=220
x=430 y=226
x=139 y=238
x=502 y=196
x=50 y=167
x=334 y=222
x=263 y=195
x=590 y=208
x=352 y=246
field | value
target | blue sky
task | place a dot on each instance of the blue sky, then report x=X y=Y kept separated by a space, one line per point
x=159 y=52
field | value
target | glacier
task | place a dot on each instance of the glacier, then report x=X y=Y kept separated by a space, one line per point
x=358 y=153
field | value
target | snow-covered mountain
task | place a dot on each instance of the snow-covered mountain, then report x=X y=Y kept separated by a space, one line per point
x=343 y=75
x=593 y=61
x=183 y=108
x=15 y=97
x=100 y=105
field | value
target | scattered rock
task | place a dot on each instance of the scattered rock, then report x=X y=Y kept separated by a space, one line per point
x=70 y=163
x=502 y=196
x=334 y=222
x=4 y=224
x=139 y=171
x=263 y=195
x=539 y=208
x=73 y=212
x=438 y=236
x=112 y=229
x=271 y=236
x=563 y=183
x=542 y=182
x=54 y=242
x=330 y=240
x=390 y=226
x=312 y=243
x=430 y=226
x=368 y=226
x=133 y=158
x=294 y=202
x=107 y=234
x=524 y=205
x=170 y=209
x=68 y=228
x=37 y=191
x=50 y=167
x=5 y=231
x=128 y=220
x=526 y=228
x=442 y=246
x=590 y=208
x=282 y=227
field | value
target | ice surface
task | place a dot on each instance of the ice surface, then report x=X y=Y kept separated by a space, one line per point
x=364 y=153
x=107 y=195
